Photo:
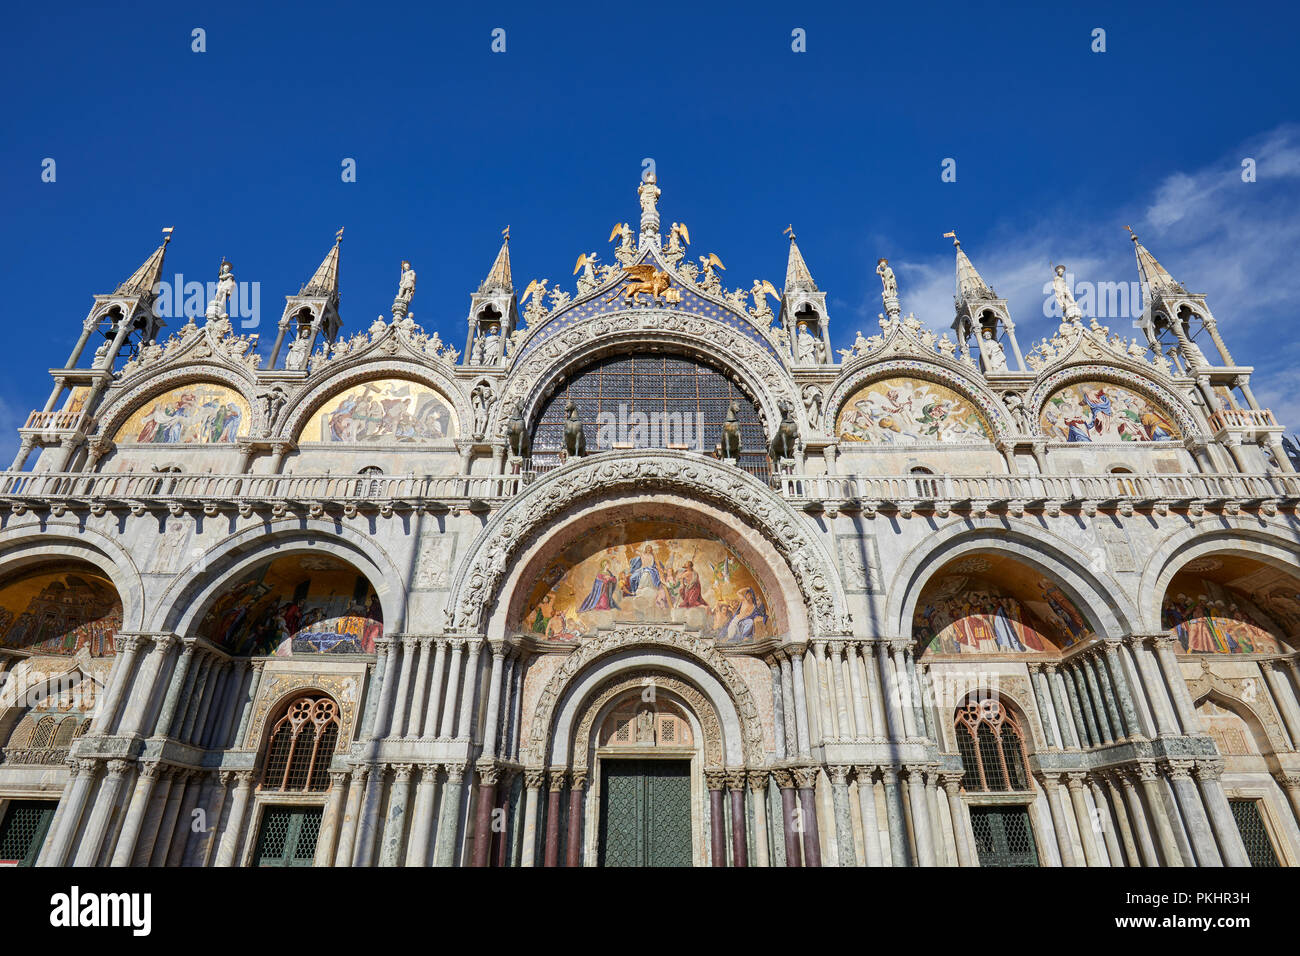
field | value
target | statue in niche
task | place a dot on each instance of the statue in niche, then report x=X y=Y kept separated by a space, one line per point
x=491 y=346
x=1016 y=406
x=995 y=357
x=812 y=403
x=806 y=345
x=480 y=400
x=575 y=442
x=296 y=360
x=645 y=726
x=516 y=432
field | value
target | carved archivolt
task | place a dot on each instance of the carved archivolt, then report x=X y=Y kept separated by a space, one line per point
x=480 y=573
x=649 y=636
x=764 y=375
x=662 y=683
x=1239 y=690
x=276 y=687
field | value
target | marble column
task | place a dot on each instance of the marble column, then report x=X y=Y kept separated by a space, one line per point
x=806 y=779
x=1131 y=857
x=736 y=790
x=143 y=690
x=92 y=840
x=431 y=715
x=894 y=815
x=232 y=837
x=1114 y=662
x=1064 y=725
x=788 y=712
x=1150 y=781
x=778 y=708
x=800 y=700
x=1166 y=722
x=555 y=779
x=790 y=817
x=490 y=729
x=715 y=780
x=942 y=857
x=71 y=806
x=1283 y=697
x=1059 y=825
x=757 y=780
x=154 y=812
x=393 y=852
x=1194 y=818
x=487 y=799
x=870 y=824
x=390 y=720
x=1041 y=697
x=875 y=694
x=1233 y=850
x=231 y=708
x=250 y=701
x=465 y=724
x=502 y=825
x=420 y=689
x=826 y=719
x=1107 y=821
x=348 y=835
x=914 y=696
x=1290 y=782
x=421 y=838
x=921 y=828
x=957 y=810
x=902 y=689
x=858 y=692
x=331 y=819
x=1078 y=693
x=136 y=809
x=845 y=727
x=1082 y=818
x=1138 y=818
x=534 y=780
x=1164 y=645
x=197 y=696
x=444 y=849
x=843 y=815
x=1095 y=671
x=447 y=728
x=577 y=788
x=896 y=730
x=128 y=648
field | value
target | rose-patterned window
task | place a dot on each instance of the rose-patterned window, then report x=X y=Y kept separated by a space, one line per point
x=992 y=748
x=301 y=746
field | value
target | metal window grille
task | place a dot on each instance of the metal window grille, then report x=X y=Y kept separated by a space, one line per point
x=301 y=746
x=992 y=748
x=23 y=829
x=44 y=733
x=67 y=728
x=659 y=386
x=1003 y=836
x=1250 y=822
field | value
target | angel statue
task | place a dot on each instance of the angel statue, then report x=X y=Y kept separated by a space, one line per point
x=535 y=309
x=225 y=288
x=626 y=250
x=760 y=290
x=588 y=280
x=709 y=281
x=678 y=235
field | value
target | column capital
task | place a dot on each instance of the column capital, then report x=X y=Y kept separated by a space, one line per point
x=757 y=780
x=1287 y=780
x=1209 y=769
x=402 y=772
x=784 y=778
x=489 y=774
x=534 y=778
x=118 y=769
x=839 y=774
x=715 y=779
x=556 y=777
x=951 y=783
x=1074 y=779
x=1179 y=769
x=805 y=777
x=865 y=774
x=735 y=779
x=578 y=779
x=456 y=772
x=889 y=776
x=245 y=778
x=338 y=778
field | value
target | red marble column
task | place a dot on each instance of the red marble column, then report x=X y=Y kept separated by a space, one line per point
x=717 y=834
x=812 y=847
x=502 y=844
x=552 y=857
x=739 y=850
x=487 y=801
x=574 y=855
x=785 y=782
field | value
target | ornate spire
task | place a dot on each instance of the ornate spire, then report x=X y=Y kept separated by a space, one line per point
x=797 y=276
x=326 y=279
x=1155 y=277
x=970 y=284
x=146 y=277
x=498 y=278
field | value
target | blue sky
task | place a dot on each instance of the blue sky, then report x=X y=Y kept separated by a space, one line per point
x=1056 y=148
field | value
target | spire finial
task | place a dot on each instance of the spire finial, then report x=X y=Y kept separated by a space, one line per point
x=789 y=231
x=338 y=236
x=505 y=233
x=167 y=234
x=953 y=236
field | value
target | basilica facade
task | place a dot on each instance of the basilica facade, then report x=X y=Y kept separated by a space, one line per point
x=650 y=574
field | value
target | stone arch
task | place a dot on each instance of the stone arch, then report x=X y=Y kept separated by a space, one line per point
x=30 y=545
x=757 y=370
x=870 y=371
x=1231 y=694
x=35 y=688
x=673 y=651
x=179 y=609
x=152 y=383
x=340 y=376
x=1143 y=385
x=480 y=572
x=1096 y=594
x=1266 y=542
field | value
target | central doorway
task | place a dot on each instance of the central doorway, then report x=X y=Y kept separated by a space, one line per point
x=645 y=813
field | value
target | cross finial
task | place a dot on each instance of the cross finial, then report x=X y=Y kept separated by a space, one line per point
x=338 y=236
x=789 y=231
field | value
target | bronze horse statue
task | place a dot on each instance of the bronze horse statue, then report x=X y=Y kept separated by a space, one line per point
x=786 y=440
x=575 y=442
x=731 y=434
x=516 y=433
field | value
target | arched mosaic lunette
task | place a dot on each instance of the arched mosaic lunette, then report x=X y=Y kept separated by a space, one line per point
x=482 y=570
x=1146 y=387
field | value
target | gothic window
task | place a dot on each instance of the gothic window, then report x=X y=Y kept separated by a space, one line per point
x=300 y=747
x=44 y=738
x=992 y=748
x=652 y=400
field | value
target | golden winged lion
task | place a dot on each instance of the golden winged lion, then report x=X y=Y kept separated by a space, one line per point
x=645 y=279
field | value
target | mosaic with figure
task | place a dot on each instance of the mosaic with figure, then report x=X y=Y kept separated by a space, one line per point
x=1103 y=411
x=196 y=414
x=908 y=411
x=652 y=571
x=60 y=612
x=382 y=412
x=297 y=605
x=1211 y=617
x=992 y=605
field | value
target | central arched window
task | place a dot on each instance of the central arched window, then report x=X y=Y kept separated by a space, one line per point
x=301 y=746
x=992 y=748
x=651 y=400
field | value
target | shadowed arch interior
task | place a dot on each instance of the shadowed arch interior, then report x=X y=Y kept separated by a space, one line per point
x=1230 y=604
